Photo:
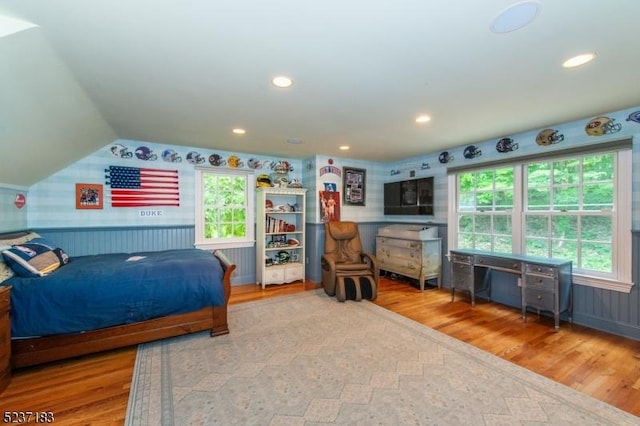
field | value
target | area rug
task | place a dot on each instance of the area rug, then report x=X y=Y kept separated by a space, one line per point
x=307 y=359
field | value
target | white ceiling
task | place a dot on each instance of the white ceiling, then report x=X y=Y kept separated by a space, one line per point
x=187 y=72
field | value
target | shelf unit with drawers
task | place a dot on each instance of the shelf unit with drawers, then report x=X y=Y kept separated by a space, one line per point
x=280 y=235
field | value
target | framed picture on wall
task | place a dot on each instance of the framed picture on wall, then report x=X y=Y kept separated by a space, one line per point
x=89 y=196
x=353 y=186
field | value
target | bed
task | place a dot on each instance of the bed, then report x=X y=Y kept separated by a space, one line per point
x=89 y=304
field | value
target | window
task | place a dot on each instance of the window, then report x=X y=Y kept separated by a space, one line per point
x=485 y=210
x=576 y=207
x=224 y=208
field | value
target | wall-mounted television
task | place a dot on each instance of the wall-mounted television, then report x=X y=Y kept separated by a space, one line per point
x=409 y=197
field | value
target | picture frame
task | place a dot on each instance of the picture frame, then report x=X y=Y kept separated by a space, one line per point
x=354 y=186
x=89 y=196
x=279 y=238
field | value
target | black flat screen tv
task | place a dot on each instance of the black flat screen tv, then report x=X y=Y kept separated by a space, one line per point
x=409 y=197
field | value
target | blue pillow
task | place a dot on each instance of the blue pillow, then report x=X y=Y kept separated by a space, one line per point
x=35 y=258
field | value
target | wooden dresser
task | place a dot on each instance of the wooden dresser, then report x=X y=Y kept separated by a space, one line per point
x=5 y=337
x=410 y=250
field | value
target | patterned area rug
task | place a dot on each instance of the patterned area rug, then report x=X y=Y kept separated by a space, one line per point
x=307 y=359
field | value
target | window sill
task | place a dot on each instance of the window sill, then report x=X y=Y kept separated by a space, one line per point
x=603 y=283
x=223 y=246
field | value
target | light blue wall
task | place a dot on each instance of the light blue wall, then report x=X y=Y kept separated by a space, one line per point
x=53 y=204
x=51 y=210
x=11 y=217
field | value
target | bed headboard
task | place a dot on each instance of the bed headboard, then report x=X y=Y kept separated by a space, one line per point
x=13 y=234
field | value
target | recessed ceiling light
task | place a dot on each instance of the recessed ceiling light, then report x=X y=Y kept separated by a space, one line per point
x=282 y=81
x=423 y=118
x=578 y=60
x=515 y=17
x=344 y=147
x=239 y=131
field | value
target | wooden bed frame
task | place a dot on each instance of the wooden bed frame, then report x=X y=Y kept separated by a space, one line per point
x=39 y=350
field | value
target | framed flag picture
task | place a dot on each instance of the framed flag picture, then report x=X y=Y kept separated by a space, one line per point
x=142 y=187
x=89 y=196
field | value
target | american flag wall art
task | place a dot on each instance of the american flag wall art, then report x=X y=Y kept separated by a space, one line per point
x=140 y=186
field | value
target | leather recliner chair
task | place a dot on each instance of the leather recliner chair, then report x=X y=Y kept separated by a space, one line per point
x=347 y=272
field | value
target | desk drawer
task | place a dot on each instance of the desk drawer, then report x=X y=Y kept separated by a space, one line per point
x=499 y=263
x=462 y=275
x=539 y=299
x=549 y=271
x=542 y=282
x=461 y=258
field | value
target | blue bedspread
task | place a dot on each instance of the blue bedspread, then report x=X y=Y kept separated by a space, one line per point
x=92 y=292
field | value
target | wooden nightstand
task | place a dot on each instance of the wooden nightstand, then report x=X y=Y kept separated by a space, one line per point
x=5 y=337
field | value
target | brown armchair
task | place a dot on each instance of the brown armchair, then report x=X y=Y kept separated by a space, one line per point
x=347 y=271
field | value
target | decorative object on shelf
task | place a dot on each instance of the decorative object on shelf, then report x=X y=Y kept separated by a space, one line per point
x=234 y=161
x=217 y=160
x=120 y=151
x=263 y=181
x=295 y=183
x=634 y=116
x=146 y=154
x=472 y=151
x=445 y=157
x=88 y=196
x=602 y=126
x=170 y=156
x=506 y=145
x=353 y=186
x=548 y=137
x=254 y=163
x=194 y=157
x=280 y=177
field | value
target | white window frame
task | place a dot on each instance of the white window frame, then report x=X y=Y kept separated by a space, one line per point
x=215 y=243
x=621 y=278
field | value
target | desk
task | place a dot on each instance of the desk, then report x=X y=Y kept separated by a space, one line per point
x=546 y=284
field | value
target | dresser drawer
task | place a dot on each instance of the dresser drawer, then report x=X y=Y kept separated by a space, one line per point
x=539 y=299
x=394 y=243
x=273 y=275
x=293 y=273
x=532 y=268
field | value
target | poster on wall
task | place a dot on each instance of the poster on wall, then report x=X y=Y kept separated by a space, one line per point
x=88 y=196
x=329 y=206
x=353 y=185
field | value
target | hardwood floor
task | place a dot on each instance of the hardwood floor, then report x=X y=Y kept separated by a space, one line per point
x=94 y=390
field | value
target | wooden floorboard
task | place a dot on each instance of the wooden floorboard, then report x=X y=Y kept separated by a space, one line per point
x=94 y=389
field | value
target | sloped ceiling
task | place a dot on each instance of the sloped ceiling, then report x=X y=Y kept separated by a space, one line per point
x=46 y=120
x=187 y=72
